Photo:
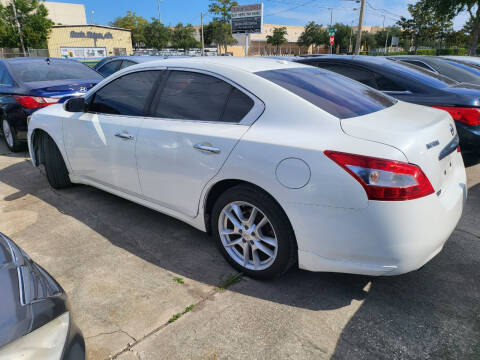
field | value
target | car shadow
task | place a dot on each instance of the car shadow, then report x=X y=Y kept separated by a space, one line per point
x=431 y=311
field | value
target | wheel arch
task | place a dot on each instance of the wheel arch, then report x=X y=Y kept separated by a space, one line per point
x=217 y=189
x=35 y=145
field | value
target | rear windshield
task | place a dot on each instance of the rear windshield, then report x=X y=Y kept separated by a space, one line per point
x=336 y=94
x=31 y=71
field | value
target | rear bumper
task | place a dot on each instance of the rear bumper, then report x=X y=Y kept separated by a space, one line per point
x=385 y=238
x=469 y=136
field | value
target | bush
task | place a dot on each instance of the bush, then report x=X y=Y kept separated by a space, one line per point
x=452 y=51
x=426 y=52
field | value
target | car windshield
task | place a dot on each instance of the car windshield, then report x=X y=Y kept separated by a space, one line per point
x=42 y=70
x=336 y=94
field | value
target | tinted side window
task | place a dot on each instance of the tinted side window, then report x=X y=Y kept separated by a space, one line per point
x=127 y=95
x=191 y=96
x=238 y=105
x=109 y=68
x=418 y=63
x=386 y=84
x=126 y=63
x=362 y=75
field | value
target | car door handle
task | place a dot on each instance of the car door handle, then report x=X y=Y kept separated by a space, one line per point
x=206 y=148
x=125 y=136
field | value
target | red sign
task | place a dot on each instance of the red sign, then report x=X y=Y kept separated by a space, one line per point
x=332 y=39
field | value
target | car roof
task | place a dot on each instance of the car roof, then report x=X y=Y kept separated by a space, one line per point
x=33 y=59
x=249 y=64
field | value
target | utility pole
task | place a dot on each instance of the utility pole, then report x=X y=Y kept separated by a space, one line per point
x=201 y=29
x=159 y=18
x=331 y=20
x=351 y=34
x=386 y=36
x=359 y=30
x=18 y=27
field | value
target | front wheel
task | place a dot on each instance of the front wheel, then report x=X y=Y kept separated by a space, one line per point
x=55 y=168
x=253 y=233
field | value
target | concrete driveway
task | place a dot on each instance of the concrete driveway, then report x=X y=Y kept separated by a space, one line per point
x=145 y=286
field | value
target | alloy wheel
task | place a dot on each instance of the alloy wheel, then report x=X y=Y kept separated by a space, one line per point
x=7 y=132
x=247 y=235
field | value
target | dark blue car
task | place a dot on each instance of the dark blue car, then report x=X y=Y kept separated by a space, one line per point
x=413 y=84
x=29 y=84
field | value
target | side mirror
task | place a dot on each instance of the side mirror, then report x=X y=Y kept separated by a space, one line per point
x=76 y=104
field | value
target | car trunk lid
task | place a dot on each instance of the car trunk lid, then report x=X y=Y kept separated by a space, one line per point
x=60 y=88
x=420 y=132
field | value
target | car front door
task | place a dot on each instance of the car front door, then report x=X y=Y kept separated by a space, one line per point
x=195 y=121
x=100 y=143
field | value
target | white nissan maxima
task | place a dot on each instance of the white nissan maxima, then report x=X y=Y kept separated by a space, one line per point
x=283 y=163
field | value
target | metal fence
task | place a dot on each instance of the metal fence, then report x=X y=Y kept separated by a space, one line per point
x=6 y=53
x=174 y=52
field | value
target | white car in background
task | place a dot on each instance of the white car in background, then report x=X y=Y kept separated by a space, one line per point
x=282 y=162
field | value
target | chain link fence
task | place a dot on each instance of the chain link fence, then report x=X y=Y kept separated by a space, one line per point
x=6 y=53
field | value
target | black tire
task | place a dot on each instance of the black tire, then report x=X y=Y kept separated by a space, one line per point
x=286 y=244
x=16 y=145
x=55 y=168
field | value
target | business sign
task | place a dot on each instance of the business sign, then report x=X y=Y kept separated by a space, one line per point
x=395 y=40
x=90 y=35
x=332 y=31
x=247 y=19
x=83 y=52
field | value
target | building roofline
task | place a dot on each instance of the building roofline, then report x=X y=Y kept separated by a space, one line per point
x=91 y=25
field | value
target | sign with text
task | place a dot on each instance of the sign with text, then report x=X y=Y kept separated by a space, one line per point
x=247 y=19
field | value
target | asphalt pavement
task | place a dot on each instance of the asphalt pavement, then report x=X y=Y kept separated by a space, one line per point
x=143 y=285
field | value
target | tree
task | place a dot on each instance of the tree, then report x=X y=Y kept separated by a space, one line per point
x=136 y=24
x=214 y=33
x=343 y=35
x=223 y=10
x=451 y=8
x=425 y=27
x=33 y=20
x=277 y=38
x=368 y=39
x=384 y=36
x=313 y=35
x=157 y=36
x=183 y=37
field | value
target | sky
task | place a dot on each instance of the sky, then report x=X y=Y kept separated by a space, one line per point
x=284 y=12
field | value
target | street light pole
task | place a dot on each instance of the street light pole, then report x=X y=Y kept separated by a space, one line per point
x=201 y=29
x=159 y=18
x=359 y=30
x=18 y=27
x=331 y=20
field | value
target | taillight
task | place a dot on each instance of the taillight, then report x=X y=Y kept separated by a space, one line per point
x=384 y=179
x=469 y=116
x=34 y=102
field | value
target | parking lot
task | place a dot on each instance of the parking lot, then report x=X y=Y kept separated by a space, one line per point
x=132 y=276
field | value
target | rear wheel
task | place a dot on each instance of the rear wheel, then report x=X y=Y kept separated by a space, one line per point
x=55 y=168
x=10 y=136
x=253 y=233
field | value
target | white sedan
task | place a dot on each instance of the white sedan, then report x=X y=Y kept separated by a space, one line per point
x=283 y=163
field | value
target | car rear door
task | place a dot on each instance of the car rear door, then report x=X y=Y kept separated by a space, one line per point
x=195 y=120
x=100 y=144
